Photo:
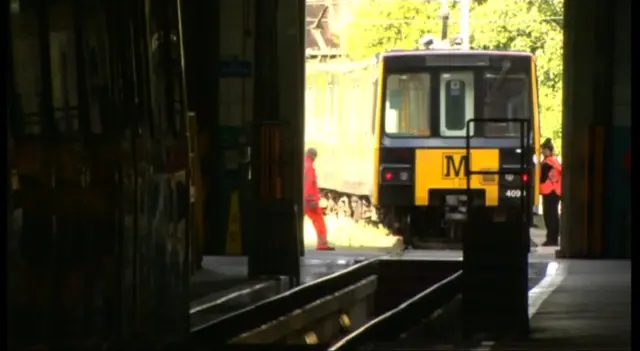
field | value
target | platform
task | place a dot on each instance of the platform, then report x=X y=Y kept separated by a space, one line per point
x=583 y=305
x=222 y=273
x=222 y=284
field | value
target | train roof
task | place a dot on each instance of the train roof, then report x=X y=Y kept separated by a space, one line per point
x=419 y=59
x=400 y=53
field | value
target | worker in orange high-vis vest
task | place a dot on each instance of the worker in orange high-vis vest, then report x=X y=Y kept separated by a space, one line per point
x=312 y=201
x=551 y=191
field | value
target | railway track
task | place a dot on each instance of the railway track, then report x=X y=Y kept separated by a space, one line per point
x=430 y=315
x=382 y=303
x=216 y=306
x=332 y=308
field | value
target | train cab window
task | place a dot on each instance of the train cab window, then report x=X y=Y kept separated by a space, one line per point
x=406 y=107
x=456 y=103
x=506 y=97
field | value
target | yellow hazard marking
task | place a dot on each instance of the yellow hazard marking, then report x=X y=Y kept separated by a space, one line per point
x=234 y=233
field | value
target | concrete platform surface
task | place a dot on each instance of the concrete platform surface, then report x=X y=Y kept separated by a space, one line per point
x=574 y=304
x=223 y=273
x=584 y=305
x=317 y=264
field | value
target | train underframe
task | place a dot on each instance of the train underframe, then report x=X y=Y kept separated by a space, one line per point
x=424 y=227
x=421 y=227
x=440 y=227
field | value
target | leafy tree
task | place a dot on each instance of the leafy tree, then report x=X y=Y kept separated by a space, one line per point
x=534 y=26
x=529 y=25
x=382 y=25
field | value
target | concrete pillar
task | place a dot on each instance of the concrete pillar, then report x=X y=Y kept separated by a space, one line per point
x=280 y=86
x=201 y=29
x=236 y=67
x=617 y=186
x=587 y=105
x=278 y=138
x=291 y=87
x=220 y=73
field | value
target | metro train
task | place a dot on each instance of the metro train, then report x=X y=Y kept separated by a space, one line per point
x=409 y=171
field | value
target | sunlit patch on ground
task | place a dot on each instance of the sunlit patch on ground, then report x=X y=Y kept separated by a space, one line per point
x=344 y=232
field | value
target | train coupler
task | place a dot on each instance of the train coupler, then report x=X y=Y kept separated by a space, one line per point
x=455 y=209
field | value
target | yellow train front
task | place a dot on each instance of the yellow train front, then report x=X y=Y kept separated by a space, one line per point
x=424 y=101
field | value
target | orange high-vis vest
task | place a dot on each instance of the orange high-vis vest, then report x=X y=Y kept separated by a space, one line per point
x=554 y=180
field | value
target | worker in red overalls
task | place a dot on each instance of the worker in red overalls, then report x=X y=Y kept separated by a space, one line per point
x=312 y=201
x=551 y=191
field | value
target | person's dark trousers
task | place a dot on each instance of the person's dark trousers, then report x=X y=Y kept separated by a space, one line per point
x=551 y=217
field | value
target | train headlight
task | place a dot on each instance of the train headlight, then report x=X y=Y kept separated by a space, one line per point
x=404 y=176
x=509 y=177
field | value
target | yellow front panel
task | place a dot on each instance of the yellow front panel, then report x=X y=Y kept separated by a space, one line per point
x=444 y=169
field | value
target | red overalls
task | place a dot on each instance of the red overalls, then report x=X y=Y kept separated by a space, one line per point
x=312 y=203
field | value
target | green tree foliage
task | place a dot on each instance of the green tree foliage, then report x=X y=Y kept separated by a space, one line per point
x=528 y=25
x=382 y=25
x=534 y=26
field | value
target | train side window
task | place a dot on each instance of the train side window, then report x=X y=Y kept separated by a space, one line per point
x=456 y=103
x=407 y=110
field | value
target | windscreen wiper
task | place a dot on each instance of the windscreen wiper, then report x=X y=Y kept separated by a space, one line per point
x=506 y=65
